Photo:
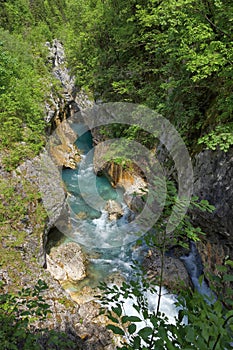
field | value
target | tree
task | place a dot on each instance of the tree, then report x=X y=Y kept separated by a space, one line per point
x=201 y=323
x=173 y=56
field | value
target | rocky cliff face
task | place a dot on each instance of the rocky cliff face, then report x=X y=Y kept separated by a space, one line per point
x=39 y=173
x=213 y=180
x=59 y=108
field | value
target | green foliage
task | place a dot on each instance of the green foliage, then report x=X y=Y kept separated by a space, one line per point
x=200 y=324
x=17 y=197
x=22 y=94
x=15 y=15
x=18 y=312
x=221 y=137
x=174 y=56
x=20 y=16
x=25 y=75
x=185 y=230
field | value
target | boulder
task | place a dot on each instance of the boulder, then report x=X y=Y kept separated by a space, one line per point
x=130 y=179
x=114 y=210
x=66 y=262
x=175 y=275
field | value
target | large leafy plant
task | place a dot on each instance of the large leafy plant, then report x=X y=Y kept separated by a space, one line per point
x=201 y=323
x=18 y=313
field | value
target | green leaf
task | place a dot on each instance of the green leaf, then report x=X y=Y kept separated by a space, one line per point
x=137 y=342
x=136 y=307
x=131 y=319
x=145 y=333
x=115 y=329
x=228 y=278
x=229 y=262
x=117 y=310
x=132 y=328
x=154 y=320
x=113 y=319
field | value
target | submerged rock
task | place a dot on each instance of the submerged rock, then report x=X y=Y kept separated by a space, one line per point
x=67 y=262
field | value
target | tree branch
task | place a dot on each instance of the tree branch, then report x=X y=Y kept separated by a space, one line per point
x=216 y=27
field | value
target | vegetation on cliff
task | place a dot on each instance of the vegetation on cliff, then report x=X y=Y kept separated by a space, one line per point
x=25 y=76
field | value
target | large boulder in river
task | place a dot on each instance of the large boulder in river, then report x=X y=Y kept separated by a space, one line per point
x=175 y=275
x=67 y=262
x=114 y=210
x=128 y=177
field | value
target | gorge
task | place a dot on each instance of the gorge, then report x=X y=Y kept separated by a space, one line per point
x=116 y=167
x=88 y=222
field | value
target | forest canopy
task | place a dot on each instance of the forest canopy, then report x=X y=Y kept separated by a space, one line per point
x=173 y=56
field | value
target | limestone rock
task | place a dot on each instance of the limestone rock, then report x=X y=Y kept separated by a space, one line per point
x=56 y=271
x=81 y=216
x=61 y=145
x=212 y=255
x=213 y=180
x=130 y=180
x=92 y=328
x=44 y=175
x=114 y=210
x=84 y=296
x=67 y=262
x=175 y=276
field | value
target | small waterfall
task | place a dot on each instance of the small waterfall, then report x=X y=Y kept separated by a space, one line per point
x=194 y=267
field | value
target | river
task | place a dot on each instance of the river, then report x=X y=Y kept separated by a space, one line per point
x=91 y=226
x=108 y=259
